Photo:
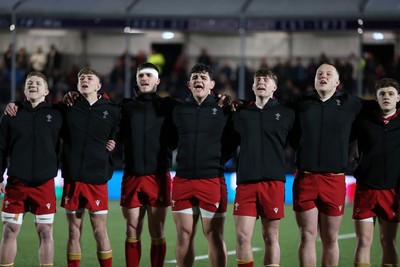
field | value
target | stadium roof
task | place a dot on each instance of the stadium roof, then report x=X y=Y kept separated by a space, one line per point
x=180 y=11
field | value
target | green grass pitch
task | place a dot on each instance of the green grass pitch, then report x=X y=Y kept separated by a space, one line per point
x=28 y=241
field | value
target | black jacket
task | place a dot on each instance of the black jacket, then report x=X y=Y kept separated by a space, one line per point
x=262 y=135
x=200 y=131
x=322 y=131
x=31 y=141
x=379 y=148
x=147 y=134
x=89 y=128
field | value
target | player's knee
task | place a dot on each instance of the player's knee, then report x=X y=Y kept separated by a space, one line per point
x=215 y=237
x=242 y=239
x=100 y=234
x=10 y=231
x=388 y=242
x=44 y=232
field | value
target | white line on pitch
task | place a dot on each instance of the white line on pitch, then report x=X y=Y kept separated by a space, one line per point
x=203 y=257
x=344 y=236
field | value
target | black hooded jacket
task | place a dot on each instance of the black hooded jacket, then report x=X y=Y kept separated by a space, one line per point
x=200 y=131
x=262 y=135
x=31 y=141
x=89 y=127
x=147 y=134
x=322 y=131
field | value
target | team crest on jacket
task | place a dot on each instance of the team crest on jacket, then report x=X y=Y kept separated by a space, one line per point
x=214 y=110
x=49 y=117
x=105 y=114
x=277 y=116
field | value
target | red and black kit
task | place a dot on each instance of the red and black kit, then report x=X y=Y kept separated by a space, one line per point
x=379 y=148
x=262 y=135
x=200 y=129
x=147 y=134
x=85 y=157
x=322 y=131
x=31 y=141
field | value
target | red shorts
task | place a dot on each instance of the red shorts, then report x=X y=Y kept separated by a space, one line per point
x=265 y=199
x=369 y=202
x=20 y=198
x=326 y=191
x=79 y=195
x=208 y=194
x=152 y=190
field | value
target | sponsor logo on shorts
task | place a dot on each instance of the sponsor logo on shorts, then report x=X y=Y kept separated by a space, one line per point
x=66 y=199
x=236 y=206
x=276 y=210
x=173 y=202
x=216 y=204
x=48 y=205
x=97 y=202
x=6 y=204
x=340 y=207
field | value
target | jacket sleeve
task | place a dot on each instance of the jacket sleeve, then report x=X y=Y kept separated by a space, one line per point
x=230 y=140
x=4 y=144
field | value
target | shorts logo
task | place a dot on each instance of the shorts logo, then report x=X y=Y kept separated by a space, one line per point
x=6 y=204
x=66 y=199
x=357 y=211
x=236 y=206
x=173 y=202
x=340 y=208
x=49 y=117
x=97 y=202
x=338 y=103
x=105 y=114
x=214 y=110
x=217 y=205
x=276 y=210
x=48 y=205
x=277 y=116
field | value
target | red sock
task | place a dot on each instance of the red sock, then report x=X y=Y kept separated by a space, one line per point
x=157 y=252
x=133 y=252
x=74 y=259
x=245 y=263
x=105 y=258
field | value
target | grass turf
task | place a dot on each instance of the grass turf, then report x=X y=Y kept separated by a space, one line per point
x=28 y=241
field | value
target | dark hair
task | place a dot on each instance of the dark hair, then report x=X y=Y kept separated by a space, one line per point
x=40 y=75
x=267 y=73
x=146 y=65
x=88 y=70
x=202 y=68
x=387 y=82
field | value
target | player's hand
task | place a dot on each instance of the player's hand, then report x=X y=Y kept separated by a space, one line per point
x=2 y=189
x=236 y=104
x=11 y=110
x=110 y=145
x=70 y=98
x=224 y=100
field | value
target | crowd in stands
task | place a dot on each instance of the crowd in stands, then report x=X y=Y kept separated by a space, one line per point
x=295 y=76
